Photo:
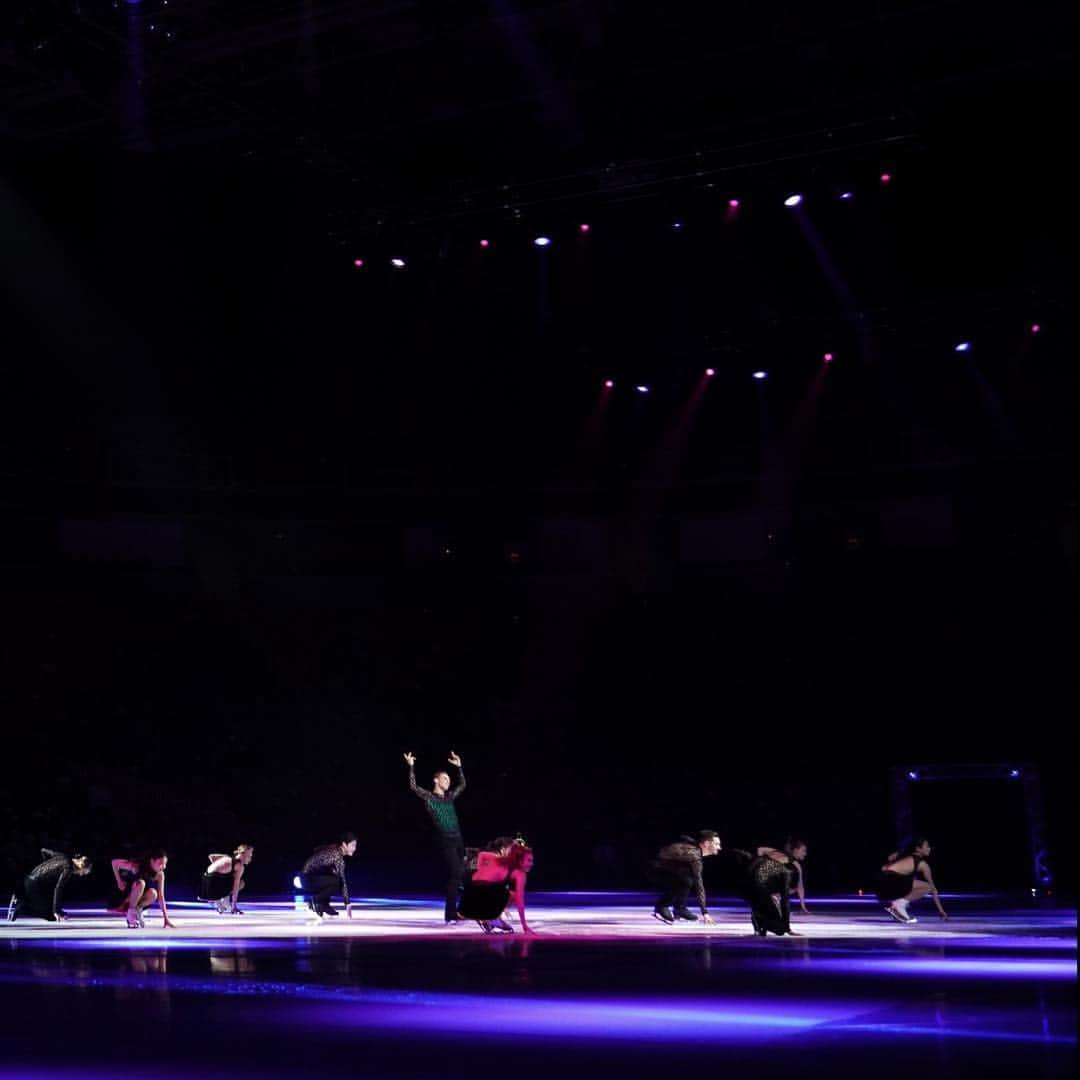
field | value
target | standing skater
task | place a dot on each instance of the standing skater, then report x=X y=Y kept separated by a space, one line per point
x=439 y=802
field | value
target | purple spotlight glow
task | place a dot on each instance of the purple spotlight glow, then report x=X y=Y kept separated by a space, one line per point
x=542 y=241
x=583 y=227
x=761 y=375
x=913 y=775
x=609 y=384
x=397 y=264
x=676 y=224
x=793 y=200
x=828 y=358
x=710 y=372
x=847 y=195
x=1014 y=774
x=358 y=263
x=485 y=243
x=642 y=389
x=964 y=346
x=886 y=177
x=733 y=204
x=1035 y=328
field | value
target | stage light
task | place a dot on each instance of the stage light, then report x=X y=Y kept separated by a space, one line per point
x=964 y=346
x=793 y=200
x=583 y=228
x=885 y=177
x=485 y=243
x=733 y=204
x=761 y=374
x=297 y=883
x=642 y=389
x=710 y=372
x=845 y=195
x=358 y=263
x=609 y=384
x=542 y=241
x=1035 y=328
x=913 y=775
x=1014 y=774
x=398 y=264
x=676 y=224
x=827 y=358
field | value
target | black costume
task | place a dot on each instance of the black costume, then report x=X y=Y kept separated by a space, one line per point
x=43 y=887
x=323 y=875
x=677 y=869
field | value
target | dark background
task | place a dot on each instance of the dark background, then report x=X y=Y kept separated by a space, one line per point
x=269 y=520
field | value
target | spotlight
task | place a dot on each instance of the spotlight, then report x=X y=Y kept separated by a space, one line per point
x=609 y=384
x=733 y=204
x=1014 y=774
x=398 y=264
x=886 y=177
x=827 y=358
x=358 y=263
x=542 y=241
x=485 y=243
x=1035 y=328
x=845 y=195
x=964 y=346
x=761 y=374
x=793 y=200
x=297 y=883
x=913 y=775
x=710 y=372
x=676 y=224
x=642 y=389
x=583 y=227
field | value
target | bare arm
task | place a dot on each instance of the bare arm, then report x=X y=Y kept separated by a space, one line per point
x=161 y=898
x=237 y=877
x=219 y=864
x=122 y=864
x=517 y=896
x=800 y=890
x=924 y=869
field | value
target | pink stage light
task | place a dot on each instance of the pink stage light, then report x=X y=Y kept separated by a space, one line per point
x=358 y=263
x=485 y=243
x=733 y=204
x=1035 y=328
x=583 y=227
x=609 y=384
x=827 y=358
x=886 y=177
x=710 y=372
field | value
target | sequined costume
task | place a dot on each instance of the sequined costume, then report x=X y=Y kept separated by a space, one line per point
x=43 y=887
x=770 y=883
x=677 y=869
x=323 y=875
